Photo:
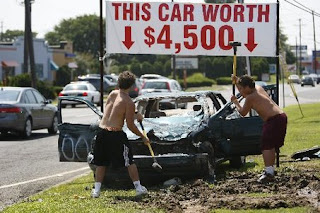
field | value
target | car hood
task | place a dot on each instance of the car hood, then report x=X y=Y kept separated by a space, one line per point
x=171 y=128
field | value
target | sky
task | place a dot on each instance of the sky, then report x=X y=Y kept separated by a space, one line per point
x=48 y=13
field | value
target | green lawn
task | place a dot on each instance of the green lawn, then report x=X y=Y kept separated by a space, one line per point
x=302 y=133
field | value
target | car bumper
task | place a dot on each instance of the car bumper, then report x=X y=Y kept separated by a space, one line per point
x=11 y=122
x=173 y=165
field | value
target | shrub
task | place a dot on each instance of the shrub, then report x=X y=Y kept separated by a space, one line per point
x=197 y=80
x=24 y=80
x=224 y=80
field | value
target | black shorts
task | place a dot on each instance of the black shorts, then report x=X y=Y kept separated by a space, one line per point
x=112 y=148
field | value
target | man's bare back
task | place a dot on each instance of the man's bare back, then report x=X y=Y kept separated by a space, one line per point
x=115 y=110
x=263 y=104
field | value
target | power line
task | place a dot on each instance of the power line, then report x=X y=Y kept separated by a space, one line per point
x=305 y=7
x=306 y=10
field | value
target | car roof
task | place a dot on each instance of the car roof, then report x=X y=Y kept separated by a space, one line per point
x=160 y=80
x=15 y=88
x=182 y=94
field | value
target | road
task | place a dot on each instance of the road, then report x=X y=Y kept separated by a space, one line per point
x=306 y=94
x=30 y=166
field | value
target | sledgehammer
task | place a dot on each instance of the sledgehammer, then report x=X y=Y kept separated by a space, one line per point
x=155 y=164
x=234 y=45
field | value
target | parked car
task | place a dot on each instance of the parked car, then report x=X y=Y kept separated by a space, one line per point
x=293 y=79
x=307 y=80
x=135 y=89
x=160 y=85
x=145 y=77
x=81 y=89
x=113 y=78
x=261 y=83
x=315 y=77
x=108 y=86
x=186 y=142
x=23 y=109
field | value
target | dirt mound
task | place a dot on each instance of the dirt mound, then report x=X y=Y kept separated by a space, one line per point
x=238 y=190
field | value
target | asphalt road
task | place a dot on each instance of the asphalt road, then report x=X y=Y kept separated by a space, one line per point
x=30 y=166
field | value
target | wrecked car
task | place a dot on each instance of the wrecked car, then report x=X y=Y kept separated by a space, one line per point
x=190 y=133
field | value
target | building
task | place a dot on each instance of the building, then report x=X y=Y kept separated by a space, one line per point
x=48 y=59
x=12 y=59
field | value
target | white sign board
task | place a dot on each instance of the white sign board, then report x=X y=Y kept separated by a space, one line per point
x=190 y=29
x=185 y=63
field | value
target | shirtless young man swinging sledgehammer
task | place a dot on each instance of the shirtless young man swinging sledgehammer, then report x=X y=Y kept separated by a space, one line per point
x=112 y=144
x=275 y=120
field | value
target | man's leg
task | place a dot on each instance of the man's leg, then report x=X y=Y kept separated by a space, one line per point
x=133 y=172
x=100 y=172
x=134 y=175
x=269 y=157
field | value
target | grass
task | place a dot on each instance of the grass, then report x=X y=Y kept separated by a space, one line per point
x=302 y=133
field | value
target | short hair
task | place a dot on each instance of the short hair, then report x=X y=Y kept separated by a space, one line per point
x=126 y=80
x=246 y=80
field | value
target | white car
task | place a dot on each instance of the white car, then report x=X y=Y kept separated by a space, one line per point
x=145 y=77
x=81 y=89
x=160 y=85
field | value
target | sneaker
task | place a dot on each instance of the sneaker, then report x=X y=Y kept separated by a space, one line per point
x=142 y=191
x=95 y=194
x=266 y=177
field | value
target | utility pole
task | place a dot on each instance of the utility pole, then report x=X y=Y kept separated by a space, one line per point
x=297 y=61
x=300 y=58
x=315 y=46
x=101 y=55
x=28 y=44
x=1 y=33
x=173 y=64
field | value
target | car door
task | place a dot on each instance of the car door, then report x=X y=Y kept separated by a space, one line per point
x=46 y=112
x=76 y=138
x=35 y=109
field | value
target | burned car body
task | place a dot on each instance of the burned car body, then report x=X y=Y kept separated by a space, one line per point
x=189 y=139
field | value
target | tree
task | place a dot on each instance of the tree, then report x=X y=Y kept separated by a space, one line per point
x=82 y=30
x=11 y=35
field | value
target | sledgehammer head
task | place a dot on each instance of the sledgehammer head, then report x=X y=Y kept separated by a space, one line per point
x=235 y=44
x=157 y=167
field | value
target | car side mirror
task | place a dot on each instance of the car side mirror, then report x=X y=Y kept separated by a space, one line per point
x=49 y=101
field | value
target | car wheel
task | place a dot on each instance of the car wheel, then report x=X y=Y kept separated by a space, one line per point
x=27 y=131
x=73 y=105
x=4 y=133
x=54 y=126
x=208 y=148
x=302 y=85
x=237 y=161
x=63 y=106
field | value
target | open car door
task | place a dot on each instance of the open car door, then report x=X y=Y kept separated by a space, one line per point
x=75 y=139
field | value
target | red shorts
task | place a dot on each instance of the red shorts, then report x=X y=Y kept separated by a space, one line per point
x=273 y=132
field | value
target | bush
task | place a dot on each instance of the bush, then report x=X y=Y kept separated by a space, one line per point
x=224 y=80
x=24 y=80
x=197 y=80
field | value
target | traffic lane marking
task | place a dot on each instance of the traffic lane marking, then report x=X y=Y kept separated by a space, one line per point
x=43 y=178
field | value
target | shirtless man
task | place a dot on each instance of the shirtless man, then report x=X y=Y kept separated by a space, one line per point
x=111 y=142
x=275 y=120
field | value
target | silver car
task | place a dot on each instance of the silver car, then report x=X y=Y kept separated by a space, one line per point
x=23 y=109
x=81 y=89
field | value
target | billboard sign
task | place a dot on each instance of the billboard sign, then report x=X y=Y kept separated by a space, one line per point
x=190 y=29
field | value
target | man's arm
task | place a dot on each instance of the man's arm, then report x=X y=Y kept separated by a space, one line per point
x=246 y=106
x=130 y=116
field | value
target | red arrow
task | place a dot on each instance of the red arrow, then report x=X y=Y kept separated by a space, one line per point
x=127 y=38
x=250 y=44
